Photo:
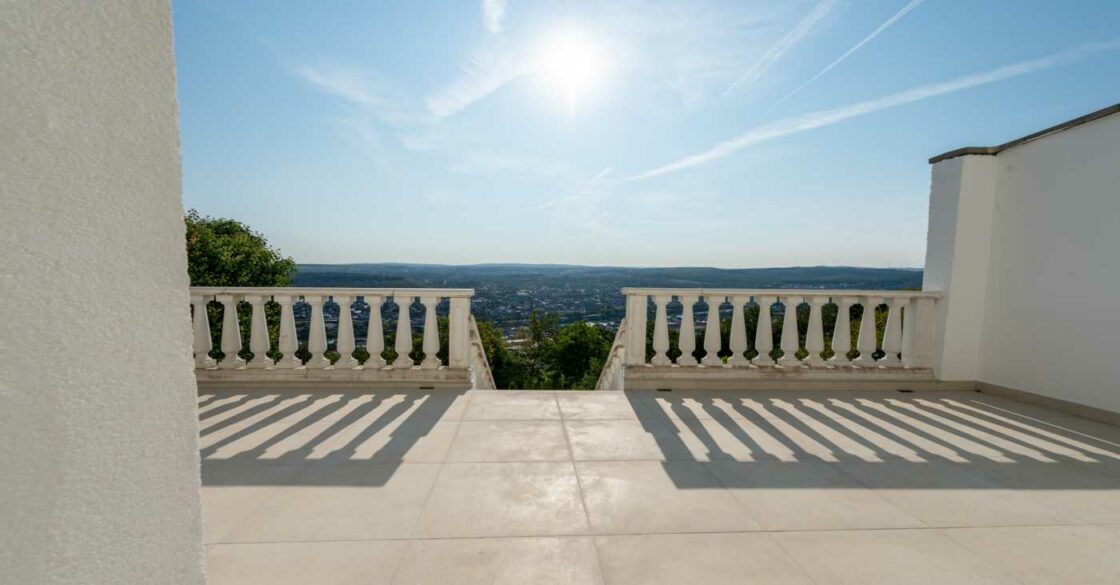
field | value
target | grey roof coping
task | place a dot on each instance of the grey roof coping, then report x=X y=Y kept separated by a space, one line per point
x=994 y=150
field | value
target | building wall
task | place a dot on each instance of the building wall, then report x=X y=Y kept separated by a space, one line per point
x=1025 y=247
x=98 y=434
x=1052 y=320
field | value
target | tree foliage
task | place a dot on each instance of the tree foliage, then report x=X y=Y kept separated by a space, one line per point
x=226 y=252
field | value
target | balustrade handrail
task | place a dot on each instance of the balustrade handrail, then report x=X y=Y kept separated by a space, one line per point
x=780 y=292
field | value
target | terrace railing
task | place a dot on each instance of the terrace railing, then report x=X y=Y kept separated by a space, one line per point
x=465 y=365
x=899 y=350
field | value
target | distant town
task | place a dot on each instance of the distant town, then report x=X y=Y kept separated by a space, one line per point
x=506 y=294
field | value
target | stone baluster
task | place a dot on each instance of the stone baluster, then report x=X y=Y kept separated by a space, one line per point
x=458 y=333
x=712 y=341
x=764 y=336
x=814 y=336
x=231 y=333
x=259 y=343
x=375 y=337
x=790 y=341
x=660 y=332
x=635 y=329
x=287 y=343
x=200 y=327
x=866 y=343
x=687 y=339
x=404 y=333
x=842 y=334
x=345 y=342
x=738 y=341
x=892 y=335
x=431 y=334
x=908 y=334
x=317 y=334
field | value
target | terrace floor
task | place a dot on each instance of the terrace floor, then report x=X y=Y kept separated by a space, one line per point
x=329 y=487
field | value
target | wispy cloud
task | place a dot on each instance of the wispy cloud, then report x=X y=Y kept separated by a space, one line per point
x=493 y=15
x=882 y=27
x=791 y=39
x=484 y=74
x=823 y=118
x=359 y=88
x=483 y=162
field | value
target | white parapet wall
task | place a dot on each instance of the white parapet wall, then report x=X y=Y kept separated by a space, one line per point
x=1024 y=246
x=98 y=429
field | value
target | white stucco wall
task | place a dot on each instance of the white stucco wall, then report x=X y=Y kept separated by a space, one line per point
x=98 y=448
x=1052 y=323
x=1036 y=309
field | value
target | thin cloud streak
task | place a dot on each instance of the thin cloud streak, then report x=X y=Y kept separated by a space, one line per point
x=791 y=39
x=485 y=74
x=493 y=15
x=824 y=118
x=882 y=27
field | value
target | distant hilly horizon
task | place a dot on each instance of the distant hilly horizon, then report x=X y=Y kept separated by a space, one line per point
x=567 y=276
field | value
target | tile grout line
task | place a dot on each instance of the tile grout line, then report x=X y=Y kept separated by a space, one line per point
x=579 y=488
x=427 y=497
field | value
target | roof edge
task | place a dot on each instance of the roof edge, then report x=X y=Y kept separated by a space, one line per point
x=994 y=150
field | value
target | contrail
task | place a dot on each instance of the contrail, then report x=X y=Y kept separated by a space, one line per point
x=824 y=118
x=790 y=40
x=882 y=27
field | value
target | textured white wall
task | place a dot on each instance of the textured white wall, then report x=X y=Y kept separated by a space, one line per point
x=1026 y=248
x=1052 y=319
x=962 y=193
x=98 y=448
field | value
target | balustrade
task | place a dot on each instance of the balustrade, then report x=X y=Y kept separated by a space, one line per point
x=459 y=350
x=909 y=321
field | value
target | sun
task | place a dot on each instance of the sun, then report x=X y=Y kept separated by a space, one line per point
x=571 y=64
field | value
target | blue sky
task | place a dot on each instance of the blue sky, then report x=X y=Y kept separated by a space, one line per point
x=732 y=134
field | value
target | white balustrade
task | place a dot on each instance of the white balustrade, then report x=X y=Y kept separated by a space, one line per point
x=686 y=341
x=867 y=342
x=907 y=336
x=738 y=333
x=200 y=326
x=842 y=332
x=345 y=342
x=462 y=349
x=790 y=341
x=712 y=341
x=764 y=335
x=231 y=333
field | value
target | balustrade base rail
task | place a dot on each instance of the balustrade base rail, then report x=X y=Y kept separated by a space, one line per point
x=726 y=378
x=401 y=379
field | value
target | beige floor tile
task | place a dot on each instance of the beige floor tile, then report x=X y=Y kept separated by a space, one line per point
x=509 y=440
x=231 y=491
x=500 y=561
x=638 y=497
x=504 y=499
x=1043 y=555
x=951 y=495
x=614 y=440
x=602 y=405
x=711 y=559
x=512 y=405
x=808 y=496
x=888 y=557
x=342 y=501
x=361 y=438
x=301 y=563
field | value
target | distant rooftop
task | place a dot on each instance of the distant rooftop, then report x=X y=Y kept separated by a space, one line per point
x=994 y=150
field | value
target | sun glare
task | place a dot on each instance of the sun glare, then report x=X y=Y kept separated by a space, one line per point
x=571 y=64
